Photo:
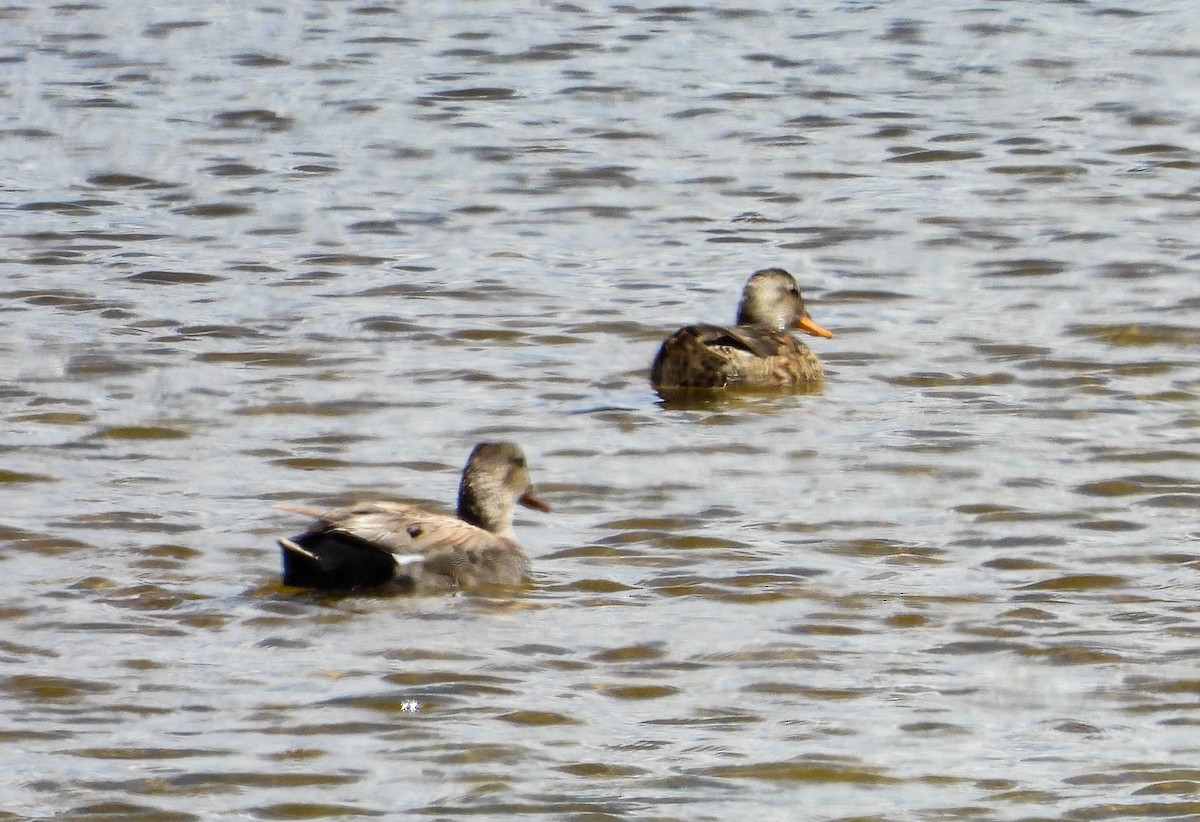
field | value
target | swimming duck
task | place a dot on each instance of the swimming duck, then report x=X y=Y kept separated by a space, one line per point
x=370 y=544
x=756 y=353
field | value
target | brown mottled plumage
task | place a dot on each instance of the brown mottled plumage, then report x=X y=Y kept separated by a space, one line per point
x=370 y=544
x=756 y=353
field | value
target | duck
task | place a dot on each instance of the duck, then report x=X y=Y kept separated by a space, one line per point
x=757 y=352
x=373 y=544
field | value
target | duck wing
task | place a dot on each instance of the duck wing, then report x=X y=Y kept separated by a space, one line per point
x=444 y=551
x=760 y=342
x=713 y=356
x=381 y=525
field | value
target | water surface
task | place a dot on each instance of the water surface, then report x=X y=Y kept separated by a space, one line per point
x=315 y=251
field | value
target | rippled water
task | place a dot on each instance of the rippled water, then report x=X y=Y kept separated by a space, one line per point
x=315 y=251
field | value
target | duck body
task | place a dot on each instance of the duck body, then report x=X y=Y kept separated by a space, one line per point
x=377 y=543
x=373 y=544
x=748 y=356
x=756 y=353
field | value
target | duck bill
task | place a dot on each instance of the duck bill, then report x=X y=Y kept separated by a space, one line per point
x=805 y=324
x=530 y=501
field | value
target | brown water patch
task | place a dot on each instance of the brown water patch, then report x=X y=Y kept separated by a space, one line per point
x=597 y=586
x=1139 y=455
x=1073 y=655
x=222 y=332
x=44 y=544
x=154 y=754
x=441 y=677
x=312 y=810
x=803 y=770
x=389 y=325
x=344 y=259
x=215 y=211
x=905 y=621
x=39 y=688
x=537 y=718
x=1019 y=564
x=141 y=432
x=1139 y=484
x=986 y=513
x=1176 y=686
x=253 y=119
x=1111 y=525
x=1138 y=335
x=1039 y=172
x=264 y=359
x=937 y=380
x=489 y=335
x=339 y=408
x=602 y=770
x=116 y=811
x=1029 y=267
x=117 y=179
x=636 y=692
x=148 y=597
x=234 y=170
x=80 y=208
x=1078 y=582
x=632 y=653
x=1189 y=500
x=935 y=729
x=54 y=418
x=874 y=548
x=311 y=463
x=98 y=364
x=469 y=95
x=825 y=629
x=21 y=477
x=790 y=689
x=140 y=521
x=909 y=155
x=174 y=277
x=974 y=647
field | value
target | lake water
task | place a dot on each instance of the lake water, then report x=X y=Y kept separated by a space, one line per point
x=315 y=251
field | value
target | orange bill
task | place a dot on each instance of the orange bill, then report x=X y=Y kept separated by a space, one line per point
x=805 y=324
x=530 y=501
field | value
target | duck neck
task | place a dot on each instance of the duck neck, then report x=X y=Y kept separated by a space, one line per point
x=484 y=507
x=752 y=311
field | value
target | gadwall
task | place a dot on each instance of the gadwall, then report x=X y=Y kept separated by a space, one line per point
x=756 y=353
x=371 y=544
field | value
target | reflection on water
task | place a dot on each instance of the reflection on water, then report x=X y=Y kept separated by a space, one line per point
x=316 y=251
